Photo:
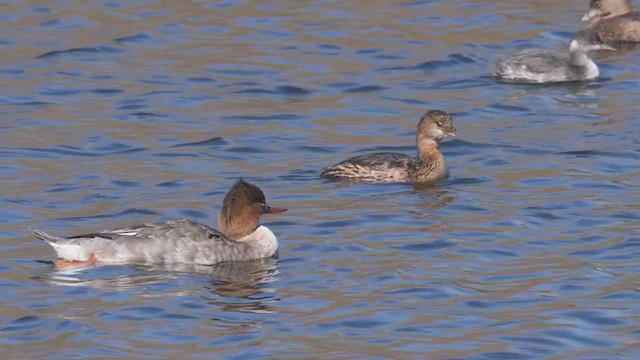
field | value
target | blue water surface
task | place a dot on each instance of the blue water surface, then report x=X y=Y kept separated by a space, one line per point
x=116 y=113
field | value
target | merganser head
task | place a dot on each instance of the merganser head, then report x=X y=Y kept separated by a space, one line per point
x=241 y=210
x=587 y=40
x=607 y=9
x=435 y=125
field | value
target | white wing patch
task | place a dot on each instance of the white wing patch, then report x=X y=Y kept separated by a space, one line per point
x=125 y=233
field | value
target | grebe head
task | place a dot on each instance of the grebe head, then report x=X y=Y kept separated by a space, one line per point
x=241 y=210
x=587 y=40
x=435 y=125
x=606 y=9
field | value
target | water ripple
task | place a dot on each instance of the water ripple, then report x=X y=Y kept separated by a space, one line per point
x=119 y=113
x=81 y=51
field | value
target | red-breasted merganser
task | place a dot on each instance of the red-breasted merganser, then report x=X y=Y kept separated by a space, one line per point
x=180 y=241
x=545 y=66
x=387 y=167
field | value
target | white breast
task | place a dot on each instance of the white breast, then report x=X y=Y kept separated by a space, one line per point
x=263 y=241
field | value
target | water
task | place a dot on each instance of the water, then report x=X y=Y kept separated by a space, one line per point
x=116 y=113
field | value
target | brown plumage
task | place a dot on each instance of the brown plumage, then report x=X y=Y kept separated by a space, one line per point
x=429 y=166
x=614 y=20
x=241 y=210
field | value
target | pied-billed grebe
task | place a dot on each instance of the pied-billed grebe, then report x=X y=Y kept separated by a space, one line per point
x=614 y=20
x=386 y=167
x=180 y=241
x=543 y=66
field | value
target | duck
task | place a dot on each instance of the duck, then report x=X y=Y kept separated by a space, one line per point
x=389 y=167
x=615 y=21
x=546 y=66
x=239 y=237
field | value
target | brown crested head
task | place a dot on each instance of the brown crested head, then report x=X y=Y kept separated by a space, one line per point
x=435 y=125
x=241 y=210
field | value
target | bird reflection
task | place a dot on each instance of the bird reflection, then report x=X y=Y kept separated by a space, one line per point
x=250 y=283
x=434 y=197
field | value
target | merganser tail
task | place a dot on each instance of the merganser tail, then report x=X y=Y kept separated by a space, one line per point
x=49 y=239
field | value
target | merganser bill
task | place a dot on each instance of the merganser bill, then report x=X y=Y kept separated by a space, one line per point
x=240 y=237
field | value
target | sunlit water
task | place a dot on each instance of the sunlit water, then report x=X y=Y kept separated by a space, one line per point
x=116 y=114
